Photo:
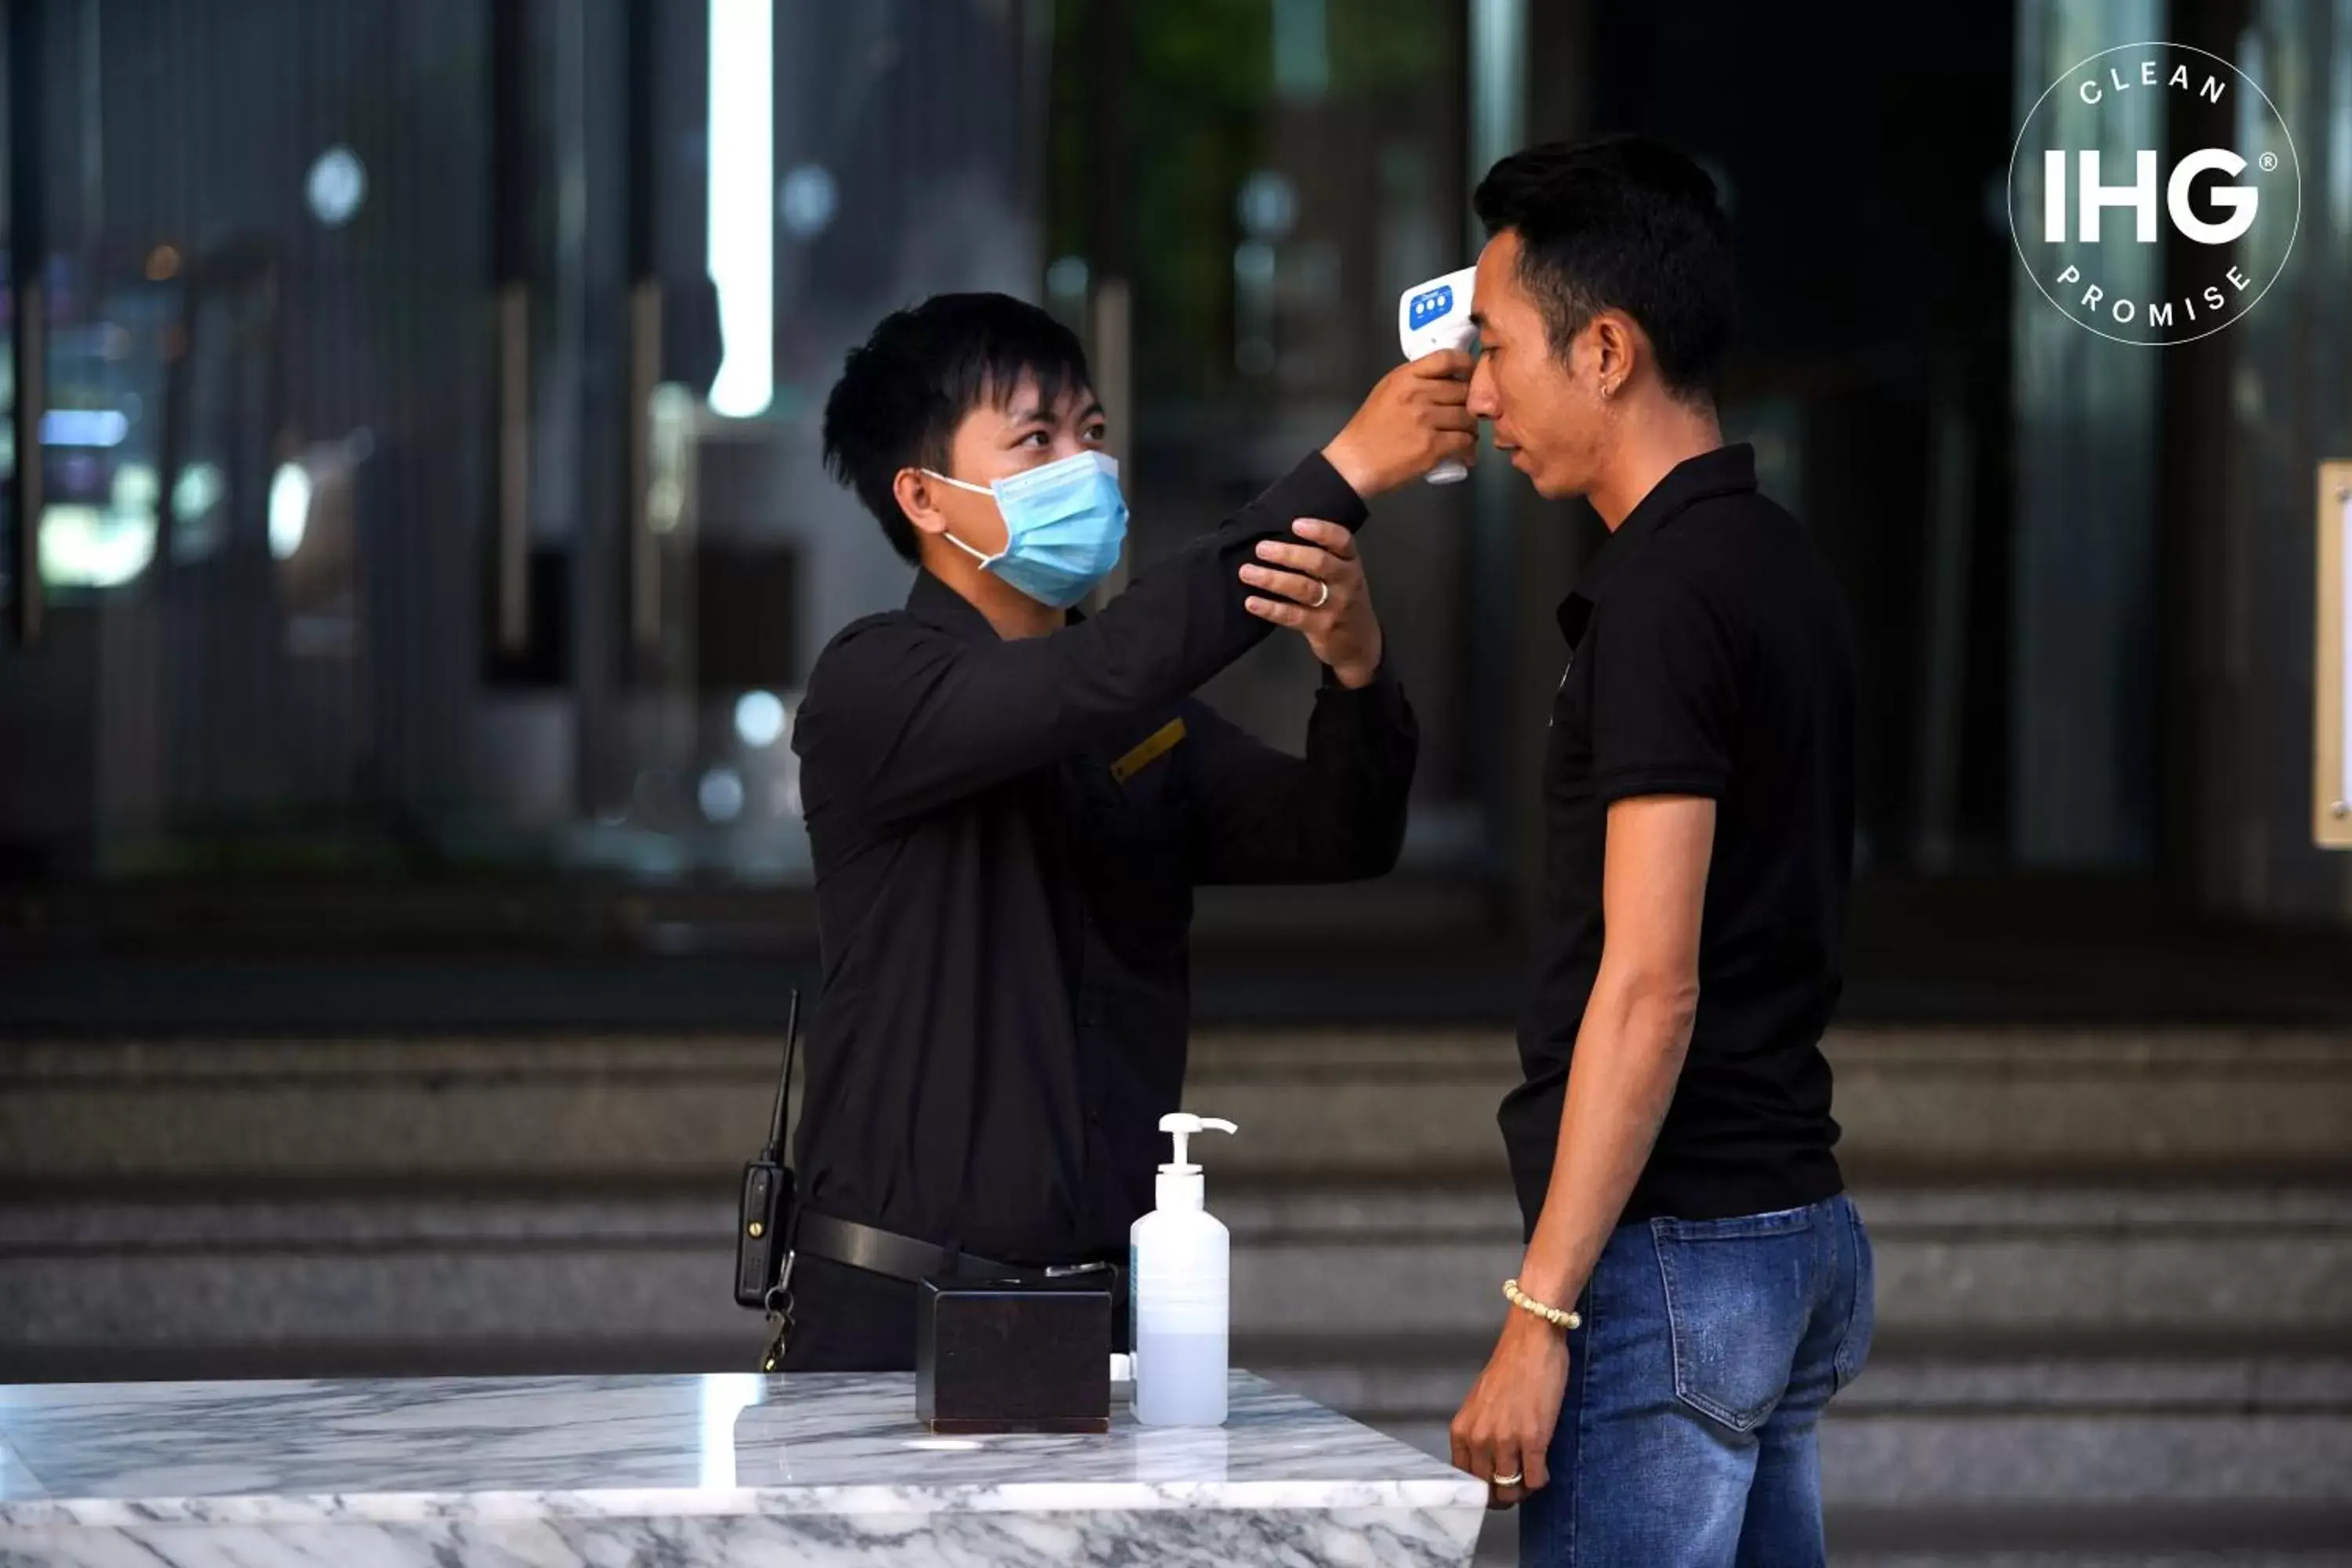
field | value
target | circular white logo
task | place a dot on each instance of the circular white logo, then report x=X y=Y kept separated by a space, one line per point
x=2089 y=193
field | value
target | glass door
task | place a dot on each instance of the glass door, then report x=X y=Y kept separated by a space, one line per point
x=426 y=396
x=805 y=168
x=1241 y=191
x=252 y=396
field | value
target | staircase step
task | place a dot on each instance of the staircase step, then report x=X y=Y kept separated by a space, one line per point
x=1916 y=1105
x=2109 y=1268
x=2159 y=1534
x=434 y=1274
x=396 y=1265
x=2164 y=1535
x=2262 y=1260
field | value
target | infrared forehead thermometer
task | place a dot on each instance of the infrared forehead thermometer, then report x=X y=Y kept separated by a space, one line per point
x=1430 y=318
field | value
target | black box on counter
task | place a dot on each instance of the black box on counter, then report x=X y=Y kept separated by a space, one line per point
x=1014 y=1356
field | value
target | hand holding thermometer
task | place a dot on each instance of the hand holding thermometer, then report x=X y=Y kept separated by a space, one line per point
x=1433 y=317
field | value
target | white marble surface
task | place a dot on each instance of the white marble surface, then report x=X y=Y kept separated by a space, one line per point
x=555 y=1472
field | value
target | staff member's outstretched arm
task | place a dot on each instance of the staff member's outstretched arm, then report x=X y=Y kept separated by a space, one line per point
x=935 y=718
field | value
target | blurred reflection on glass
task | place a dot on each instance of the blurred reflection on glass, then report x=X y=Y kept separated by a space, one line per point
x=1287 y=168
x=2085 y=683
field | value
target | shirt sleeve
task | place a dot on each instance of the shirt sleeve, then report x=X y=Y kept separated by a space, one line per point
x=1336 y=815
x=1666 y=692
x=911 y=718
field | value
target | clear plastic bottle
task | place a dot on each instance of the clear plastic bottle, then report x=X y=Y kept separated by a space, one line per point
x=1180 y=1263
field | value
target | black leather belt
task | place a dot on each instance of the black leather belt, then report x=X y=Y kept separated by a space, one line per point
x=887 y=1252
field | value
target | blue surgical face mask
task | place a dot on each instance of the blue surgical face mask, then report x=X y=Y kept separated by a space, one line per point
x=1064 y=525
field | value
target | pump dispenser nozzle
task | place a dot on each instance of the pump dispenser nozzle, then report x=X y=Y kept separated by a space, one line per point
x=1180 y=1186
x=1182 y=1125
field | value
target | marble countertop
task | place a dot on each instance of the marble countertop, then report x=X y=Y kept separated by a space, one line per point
x=446 y=1451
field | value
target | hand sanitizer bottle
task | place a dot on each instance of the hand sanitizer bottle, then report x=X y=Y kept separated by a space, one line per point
x=1179 y=1262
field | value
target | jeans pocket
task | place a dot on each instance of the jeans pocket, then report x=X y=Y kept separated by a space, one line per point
x=1862 y=1317
x=1739 y=1293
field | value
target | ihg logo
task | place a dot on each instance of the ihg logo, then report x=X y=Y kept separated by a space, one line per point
x=2089 y=195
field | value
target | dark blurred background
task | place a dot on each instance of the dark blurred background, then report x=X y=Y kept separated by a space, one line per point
x=400 y=872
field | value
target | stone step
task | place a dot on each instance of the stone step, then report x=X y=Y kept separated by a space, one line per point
x=1384 y=1264
x=1365 y=1271
x=2210 y=1428
x=1916 y=1104
x=2227 y=1531
x=2157 y=1466
x=1950 y=1260
x=2236 y=1536
x=1405 y=1383
x=2219 y=1459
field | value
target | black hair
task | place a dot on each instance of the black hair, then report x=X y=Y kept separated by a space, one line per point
x=1628 y=224
x=904 y=391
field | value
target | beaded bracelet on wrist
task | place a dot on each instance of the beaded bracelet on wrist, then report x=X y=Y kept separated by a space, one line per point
x=1557 y=1317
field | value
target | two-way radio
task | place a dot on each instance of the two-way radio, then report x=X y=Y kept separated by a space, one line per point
x=763 y=1228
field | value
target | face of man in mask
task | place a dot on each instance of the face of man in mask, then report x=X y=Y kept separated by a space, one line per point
x=1000 y=437
x=1553 y=406
x=1029 y=492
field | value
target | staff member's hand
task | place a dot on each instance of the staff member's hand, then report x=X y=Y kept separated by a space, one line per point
x=1415 y=418
x=1504 y=1428
x=1317 y=589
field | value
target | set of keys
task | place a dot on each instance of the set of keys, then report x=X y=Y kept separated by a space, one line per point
x=779 y=1306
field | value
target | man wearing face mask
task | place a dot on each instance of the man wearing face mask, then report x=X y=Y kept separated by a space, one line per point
x=1010 y=804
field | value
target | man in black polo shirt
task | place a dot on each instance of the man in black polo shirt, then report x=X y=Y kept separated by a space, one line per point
x=1672 y=1143
x=1009 y=806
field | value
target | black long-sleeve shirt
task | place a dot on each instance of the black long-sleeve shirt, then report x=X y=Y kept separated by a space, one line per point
x=1006 y=835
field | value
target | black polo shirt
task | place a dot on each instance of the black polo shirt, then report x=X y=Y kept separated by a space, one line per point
x=1006 y=837
x=1709 y=654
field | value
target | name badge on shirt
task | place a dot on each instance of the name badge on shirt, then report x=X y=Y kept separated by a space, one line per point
x=1152 y=749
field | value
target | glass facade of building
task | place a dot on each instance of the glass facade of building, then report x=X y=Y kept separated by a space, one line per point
x=426 y=393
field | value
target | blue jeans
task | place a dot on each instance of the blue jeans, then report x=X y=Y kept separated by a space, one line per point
x=1708 y=1349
